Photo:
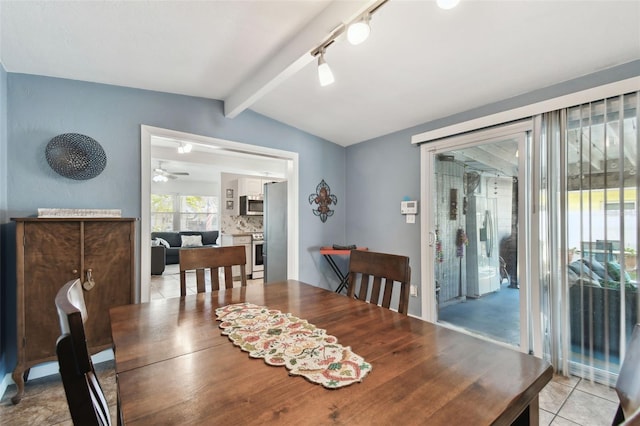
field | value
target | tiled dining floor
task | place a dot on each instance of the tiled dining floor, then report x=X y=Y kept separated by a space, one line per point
x=576 y=401
x=168 y=284
x=564 y=401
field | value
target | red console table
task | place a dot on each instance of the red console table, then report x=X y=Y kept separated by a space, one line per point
x=327 y=253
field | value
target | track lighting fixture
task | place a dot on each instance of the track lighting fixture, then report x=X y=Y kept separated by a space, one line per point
x=324 y=72
x=359 y=30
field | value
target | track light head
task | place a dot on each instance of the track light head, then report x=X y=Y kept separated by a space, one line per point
x=359 y=31
x=325 y=76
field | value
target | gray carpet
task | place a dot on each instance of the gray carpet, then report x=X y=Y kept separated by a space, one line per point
x=495 y=315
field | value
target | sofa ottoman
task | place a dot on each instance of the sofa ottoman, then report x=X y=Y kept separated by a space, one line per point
x=158 y=259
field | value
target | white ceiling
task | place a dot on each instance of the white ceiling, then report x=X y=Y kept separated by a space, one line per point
x=205 y=162
x=420 y=63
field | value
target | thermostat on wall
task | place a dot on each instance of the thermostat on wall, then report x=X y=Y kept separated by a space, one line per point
x=409 y=207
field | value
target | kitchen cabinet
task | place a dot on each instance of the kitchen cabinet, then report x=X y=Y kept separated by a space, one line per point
x=52 y=251
x=239 y=240
x=253 y=186
x=250 y=186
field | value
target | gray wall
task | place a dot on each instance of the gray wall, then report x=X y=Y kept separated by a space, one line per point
x=43 y=107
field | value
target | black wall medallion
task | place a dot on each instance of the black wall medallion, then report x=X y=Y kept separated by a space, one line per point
x=76 y=156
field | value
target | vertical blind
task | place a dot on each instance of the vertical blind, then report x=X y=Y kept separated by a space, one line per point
x=593 y=294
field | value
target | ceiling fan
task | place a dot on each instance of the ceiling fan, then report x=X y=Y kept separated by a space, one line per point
x=161 y=174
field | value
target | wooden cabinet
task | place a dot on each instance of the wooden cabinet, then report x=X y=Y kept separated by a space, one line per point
x=50 y=252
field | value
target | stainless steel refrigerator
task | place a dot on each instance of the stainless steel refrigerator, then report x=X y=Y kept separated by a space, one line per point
x=274 y=250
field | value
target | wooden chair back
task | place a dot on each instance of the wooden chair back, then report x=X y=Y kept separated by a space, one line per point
x=212 y=258
x=379 y=272
x=628 y=384
x=87 y=403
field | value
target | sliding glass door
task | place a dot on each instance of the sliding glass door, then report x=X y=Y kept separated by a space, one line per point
x=480 y=242
x=545 y=210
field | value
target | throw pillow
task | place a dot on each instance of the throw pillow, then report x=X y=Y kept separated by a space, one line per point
x=163 y=242
x=595 y=266
x=574 y=278
x=191 y=240
x=583 y=271
x=613 y=269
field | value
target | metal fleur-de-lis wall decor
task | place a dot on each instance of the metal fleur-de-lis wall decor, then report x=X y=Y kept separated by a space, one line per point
x=324 y=199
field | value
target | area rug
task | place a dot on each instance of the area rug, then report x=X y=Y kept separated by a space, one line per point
x=282 y=339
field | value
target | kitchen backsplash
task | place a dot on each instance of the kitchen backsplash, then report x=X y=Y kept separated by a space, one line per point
x=240 y=224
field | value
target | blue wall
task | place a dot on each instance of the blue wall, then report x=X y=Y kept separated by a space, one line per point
x=3 y=208
x=43 y=107
x=381 y=171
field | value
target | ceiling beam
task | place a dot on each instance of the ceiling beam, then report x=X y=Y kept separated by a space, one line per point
x=293 y=56
x=630 y=144
x=591 y=150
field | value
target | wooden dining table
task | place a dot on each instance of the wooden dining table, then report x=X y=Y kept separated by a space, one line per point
x=174 y=366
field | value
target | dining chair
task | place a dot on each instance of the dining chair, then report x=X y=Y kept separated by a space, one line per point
x=212 y=258
x=628 y=384
x=376 y=272
x=87 y=403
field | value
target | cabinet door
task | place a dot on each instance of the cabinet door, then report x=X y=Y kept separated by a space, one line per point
x=51 y=258
x=249 y=186
x=107 y=252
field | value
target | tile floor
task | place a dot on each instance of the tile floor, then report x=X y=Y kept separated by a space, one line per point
x=44 y=401
x=564 y=401
x=575 y=401
x=168 y=284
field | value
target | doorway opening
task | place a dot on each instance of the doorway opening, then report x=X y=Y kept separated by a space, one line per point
x=477 y=240
x=232 y=157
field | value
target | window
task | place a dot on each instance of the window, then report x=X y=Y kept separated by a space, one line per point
x=161 y=212
x=198 y=213
x=177 y=212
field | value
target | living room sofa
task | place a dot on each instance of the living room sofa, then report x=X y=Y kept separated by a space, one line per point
x=595 y=306
x=175 y=242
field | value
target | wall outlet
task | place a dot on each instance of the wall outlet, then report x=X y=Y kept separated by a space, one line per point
x=413 y=290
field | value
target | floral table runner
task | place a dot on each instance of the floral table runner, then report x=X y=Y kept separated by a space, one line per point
x=282 y=339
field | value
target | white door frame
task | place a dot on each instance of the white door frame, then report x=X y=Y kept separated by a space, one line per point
x=291 y=175
x=527 y=246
